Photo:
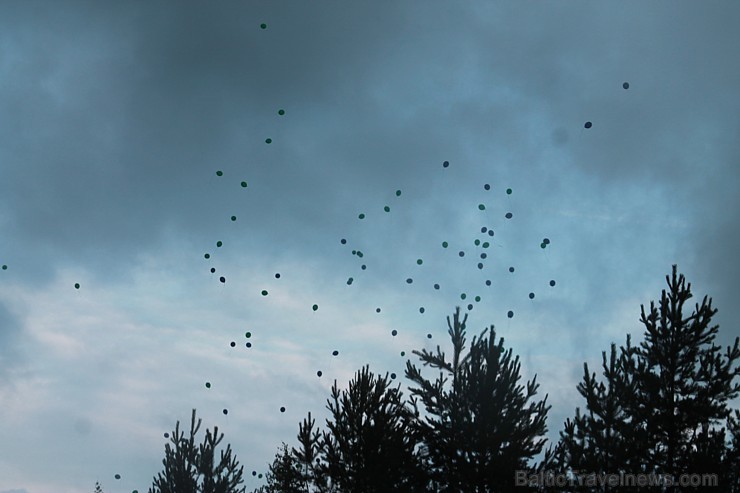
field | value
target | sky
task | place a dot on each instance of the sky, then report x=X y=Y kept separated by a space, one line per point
x=128 y=128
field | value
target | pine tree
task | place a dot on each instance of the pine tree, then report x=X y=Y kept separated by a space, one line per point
x=478 y=432
x=191 y=468
x=367 y=447
x=284 y=475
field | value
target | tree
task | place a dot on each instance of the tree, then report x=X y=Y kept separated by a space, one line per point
x=367 y=447
x=191 y=468
x=663 y=401
x=481 y=430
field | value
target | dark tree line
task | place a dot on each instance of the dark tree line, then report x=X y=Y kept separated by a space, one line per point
x=661 y=407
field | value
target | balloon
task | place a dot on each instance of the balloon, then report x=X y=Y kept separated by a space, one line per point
x=436 y=286
x=5 y=267
x=546 y=241
x=398 y=193
x=361 y=216
x=277 y=275
x=268 y=141
x=377 y=310
x=483 y=229
x=486 y=186
x=421 y=309
x=476 y=242
x=232 y=344
x=490 y=232
x=508 y=191
x=213 y=270
x=481 y=207
x=363 y=267
x=552 y=282
x=282 y=409
x=461 y=253
x=510 y=314
x=462 y=296
x=483 y=255
x=543 y=245
x=419 y=261
x=587 y=125
x=488 y=282
x=509 y=215
x=219 y=173
x=343 y=241
x=445 y=164
x=626 y=85
x=226 y=411
x=511 y=269
x=444 y=244
x=166 y=435
x=233 y=218
x=208 y=385
x=315 y=307
x=319 y=373
x=486 y=245
x=263 y=26
x=531 y=296
x=222 y=279
x=409 y=280
x=248 y=335
x=244 y=184
x=117 y=476
x=264 y=292
x=249 y=344
x=335 y=353
x=393 y=376
x=429 y=336
x=349 y=281
x=480 y=265
x=387 y=209
x=219 y=244
x=477 y=299
x=77 y=285
x=470 y=306
x=394 y=332
x=403 y=353
x=281 y=112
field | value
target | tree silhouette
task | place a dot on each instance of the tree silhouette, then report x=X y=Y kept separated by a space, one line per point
x=284 y=474
x=663 y=401
x=480 y=431
x=191 y=468
x=368 y=447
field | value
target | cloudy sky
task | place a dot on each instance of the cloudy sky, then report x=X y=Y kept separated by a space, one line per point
x=117 y=116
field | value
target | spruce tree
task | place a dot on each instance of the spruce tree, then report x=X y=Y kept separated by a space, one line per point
x=367 y=448
x=482 y=428
x=193 y=468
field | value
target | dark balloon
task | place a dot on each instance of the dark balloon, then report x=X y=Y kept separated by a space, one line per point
x=445 y=164
x=552 y=283
x=531 y=296
x=487 y=186
x=335 y=353
x=509 y=215
x=319 y=373
x=587 y=125
x=377 y=310
x=222 y=279
x=277 y=275
x=282 y=409
x=488 y=282
x=409 y=280
x=226 y=411
x=421 y=309
x=429 y=336
x=232 y=344
x=393 y=376
x=461 y=253
x=626 y=85
x=510 y=314
x=394 y=332
x=511 y=269
x=436 y=286
x=343 y=241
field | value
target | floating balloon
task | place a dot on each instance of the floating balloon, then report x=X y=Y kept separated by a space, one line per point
x=486 y=245
x=343 y=241
x=219 y=244
x=363 y=267
x=552 y=282
x=403 y=353
x=421 y=309
x=244 y=184
x=277 y=275
x=419 y=261
x=208 y=385
x=166 y=435
x=509 y=215
x=488 y=282
x=377 y=310
x=436 y=286
x=477 y=299
x=222 y=279
x=483 y=229
x=445 y=244
x=264 y=292
x=543 y=245
x=349 y=281
x=77 y=285
x=480 y=265
x=462 y=296
x=531 y=296
x=387 y=209
x=263 y=26
x=335 y=353
x=361 y=216
x=626 y=85
x=508 y=191
x=394 y=332
x=248 y=335
x=546 y=241
x=393 y=376
x=281 y=112
x=486 y=186
x=398 y=193
x=319 y=373
x=282 y=409
x=587 y=125
x=470 y=306
x=233 y=218
x=490 y=232
x=409 y=280
x=476 y=242
x=461 y=253
x=232 y=344
x=483 y=255
x=5 y=267
x=429 y=336
x=219 y=173
x=268 y=141
x=315 y=307
x=481 y=207
x=117 y=476
x=511 y=269
x=510 y=314
x=226 y=411
x=445 y=164
x=213 y=270
x=249 y=345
